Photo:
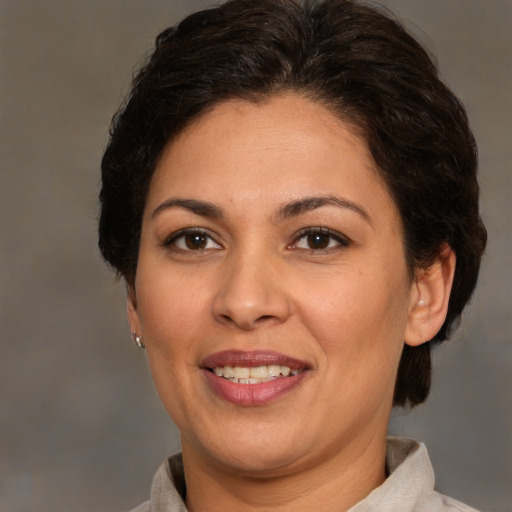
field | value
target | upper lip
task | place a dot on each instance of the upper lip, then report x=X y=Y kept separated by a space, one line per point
x=251 y=359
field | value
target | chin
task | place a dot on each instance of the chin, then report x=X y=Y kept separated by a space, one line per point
x=259 y=463
x=253 y=453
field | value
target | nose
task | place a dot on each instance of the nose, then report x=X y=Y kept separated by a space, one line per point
x=251 y=294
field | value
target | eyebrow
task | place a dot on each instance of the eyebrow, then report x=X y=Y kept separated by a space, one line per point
x=203 y=208
x=308 y=204
x=289 y=210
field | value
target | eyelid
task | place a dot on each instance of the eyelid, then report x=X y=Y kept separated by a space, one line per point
x=169 y=240
x=343 y=240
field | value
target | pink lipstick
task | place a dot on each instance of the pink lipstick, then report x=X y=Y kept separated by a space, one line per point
x=252 y=378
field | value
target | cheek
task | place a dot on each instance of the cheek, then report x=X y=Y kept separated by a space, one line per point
x=173 y=315
x=356 y=315
x=172 y=311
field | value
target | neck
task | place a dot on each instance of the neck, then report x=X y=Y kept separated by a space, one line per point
x=334 y=484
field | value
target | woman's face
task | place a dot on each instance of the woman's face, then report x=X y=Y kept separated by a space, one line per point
x=272 y=251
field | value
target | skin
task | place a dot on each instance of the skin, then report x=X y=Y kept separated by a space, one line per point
x=257 y=282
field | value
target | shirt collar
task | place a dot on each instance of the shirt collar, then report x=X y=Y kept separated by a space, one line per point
x=410 y=481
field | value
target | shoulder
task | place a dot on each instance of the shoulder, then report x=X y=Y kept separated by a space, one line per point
x=143 y=507
x=442 y=503
x=411 y=481
x=168 y=488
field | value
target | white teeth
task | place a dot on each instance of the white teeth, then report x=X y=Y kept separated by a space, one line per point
x=274 y=370
x=254 y=375
x=227 y=372
x=241 y=372
x=285 y=371
x=248 y=381
x=259 y=372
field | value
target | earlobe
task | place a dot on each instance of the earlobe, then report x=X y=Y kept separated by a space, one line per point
x=131 y=310
x=430 y=297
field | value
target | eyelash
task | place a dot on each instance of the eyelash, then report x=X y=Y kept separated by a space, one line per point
x=171 y=241
x=339 y=239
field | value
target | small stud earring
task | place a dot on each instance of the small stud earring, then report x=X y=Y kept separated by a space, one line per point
x=138 y=340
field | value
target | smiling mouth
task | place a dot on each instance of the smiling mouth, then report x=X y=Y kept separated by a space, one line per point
x=253 y=378
x=254 y=375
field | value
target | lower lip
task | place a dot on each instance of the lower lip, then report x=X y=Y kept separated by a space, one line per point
x=253 y=394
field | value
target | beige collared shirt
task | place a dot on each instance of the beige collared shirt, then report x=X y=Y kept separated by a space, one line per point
x=408 y=488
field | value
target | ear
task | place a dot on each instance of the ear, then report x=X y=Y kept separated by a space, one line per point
x=132 y=312
x=430 y=297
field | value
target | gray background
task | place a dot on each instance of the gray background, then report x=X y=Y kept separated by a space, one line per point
x=81 y=428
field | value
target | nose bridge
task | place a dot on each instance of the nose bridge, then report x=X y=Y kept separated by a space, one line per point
x=251 y=293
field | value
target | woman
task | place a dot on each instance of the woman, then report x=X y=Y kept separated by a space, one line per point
x=290 y=194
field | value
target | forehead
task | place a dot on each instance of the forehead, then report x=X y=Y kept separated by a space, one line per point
x=277 y=122
x=278 y=149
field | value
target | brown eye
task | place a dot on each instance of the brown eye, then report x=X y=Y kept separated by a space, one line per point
x=318 y=241
x=195 y=241
x=191 y=240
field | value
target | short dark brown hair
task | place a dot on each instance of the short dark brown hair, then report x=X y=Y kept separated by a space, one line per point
x=358 y=62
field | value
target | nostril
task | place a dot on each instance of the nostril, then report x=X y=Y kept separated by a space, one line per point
x=264 y=317
x=249 y=307
x=248 y=323
x=266 y=320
